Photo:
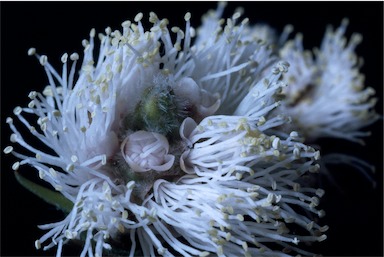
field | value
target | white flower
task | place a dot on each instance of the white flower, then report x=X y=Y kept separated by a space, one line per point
x=146 y=151
x=173 y=149
x=326 y=95
x=218 y=71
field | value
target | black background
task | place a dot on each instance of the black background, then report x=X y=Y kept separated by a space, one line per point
x=353 y=214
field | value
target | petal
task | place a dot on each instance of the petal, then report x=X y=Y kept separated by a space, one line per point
x=169 y=160
x=186 y=129
x=187 y=88
x=184 y=163
x=209 y=104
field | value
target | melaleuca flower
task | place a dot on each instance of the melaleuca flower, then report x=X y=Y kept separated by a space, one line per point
x=169 y=151
x=326 y=96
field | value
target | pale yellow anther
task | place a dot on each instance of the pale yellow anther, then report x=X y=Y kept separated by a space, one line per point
x=228 y=236
x=17 y=110
x=324 y=228
x=245 y=246
x=175 y=29
x=31 y=51
x=270 y=198
x=74 y=158
x=296 y=187
x=221 y=198
x=163 y=23
x=309 y=226
x=79 y=203
x=274 y=185
x=321 y=213
x=43 y=60
x=41 y=174
x=223 y=124
x=38 y=156
x=187 y=16
x=126 y=24
x=276 y=143
x=294 y=135
x=74 y=57
x=52 y=172
x=245 y=21
x=32 y=95
x=236 y=15
x=8 y=149
x=153 y=18
x=240 y=217
x=315 y=201
x=276 y=208
x=31 y=104
x=16 y=166
x=321 y=238
x=70 y=167
x=37 y=244
x=100 y=207
x=64 y=58
x=181 y=34
x=315 y=168
x=130 y=185
x=320 y=192
x=276 y=153
x=86 y=225
x=108 y=30
x=56 y=113
x=70 y=235
x=261 y=121
x=296 y=153
x=124 y=214
x=138 y=17
x=13 y=138
x=85 y=44
x=220 y=250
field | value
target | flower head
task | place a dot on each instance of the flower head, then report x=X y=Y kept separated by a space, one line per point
x=173 y=148
x=326 y=95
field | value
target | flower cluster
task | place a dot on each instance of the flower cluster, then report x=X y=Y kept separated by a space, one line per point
x=179 y=141
x=329 y=86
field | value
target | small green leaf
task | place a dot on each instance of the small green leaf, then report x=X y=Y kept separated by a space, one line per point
x=46 y=194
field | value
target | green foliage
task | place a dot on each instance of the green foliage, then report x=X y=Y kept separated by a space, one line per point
x=46 y=194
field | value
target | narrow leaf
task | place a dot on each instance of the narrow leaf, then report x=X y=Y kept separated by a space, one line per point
x=46 y=194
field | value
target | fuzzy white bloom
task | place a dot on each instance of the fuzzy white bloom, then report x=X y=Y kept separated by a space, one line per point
x=248 y=60
x=326 y=95
x=171 y=149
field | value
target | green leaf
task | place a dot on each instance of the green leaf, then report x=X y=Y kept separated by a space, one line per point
x=46 y=194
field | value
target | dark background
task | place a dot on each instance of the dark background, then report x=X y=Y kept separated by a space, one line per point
x=354 y=213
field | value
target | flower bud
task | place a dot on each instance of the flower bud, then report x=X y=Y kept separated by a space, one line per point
x=144 y=151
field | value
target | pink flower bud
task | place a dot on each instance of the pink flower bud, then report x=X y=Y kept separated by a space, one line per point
x=144 y=151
